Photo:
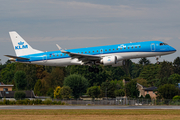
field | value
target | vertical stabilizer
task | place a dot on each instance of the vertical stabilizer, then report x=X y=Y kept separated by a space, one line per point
x=21 y=47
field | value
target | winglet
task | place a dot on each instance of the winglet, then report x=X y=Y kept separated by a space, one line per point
x=63 y=51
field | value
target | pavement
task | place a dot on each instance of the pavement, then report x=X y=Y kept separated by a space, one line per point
x=44 y=107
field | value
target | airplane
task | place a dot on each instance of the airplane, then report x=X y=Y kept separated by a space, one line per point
x=113 y=55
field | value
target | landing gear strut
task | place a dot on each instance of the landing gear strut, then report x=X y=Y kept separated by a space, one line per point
x=157 y=58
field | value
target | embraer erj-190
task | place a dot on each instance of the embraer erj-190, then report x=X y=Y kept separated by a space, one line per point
x=113 y=55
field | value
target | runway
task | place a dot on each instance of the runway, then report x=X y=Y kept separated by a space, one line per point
x=30 y=107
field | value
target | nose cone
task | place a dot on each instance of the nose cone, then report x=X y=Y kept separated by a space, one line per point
x=171 y=49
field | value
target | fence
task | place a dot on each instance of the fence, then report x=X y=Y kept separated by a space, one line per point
x=115 y=101
x=132 y=102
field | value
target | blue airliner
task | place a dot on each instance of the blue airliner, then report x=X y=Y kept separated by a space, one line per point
x=113 y=55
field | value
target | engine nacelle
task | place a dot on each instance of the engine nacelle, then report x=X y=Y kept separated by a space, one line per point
x=119 y=63
x=109 y=60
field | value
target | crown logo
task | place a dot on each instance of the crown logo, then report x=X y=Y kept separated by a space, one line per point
x=21 y=43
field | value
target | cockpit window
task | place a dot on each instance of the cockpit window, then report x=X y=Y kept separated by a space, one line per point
x=163 y=44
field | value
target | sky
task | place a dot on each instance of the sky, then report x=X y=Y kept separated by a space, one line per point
x=86 y=23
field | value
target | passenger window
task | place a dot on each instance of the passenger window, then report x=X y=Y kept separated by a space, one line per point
x=53 y=55
x=135 y=46
x=128 y=47
x=101 y=50
x=121 y=48
x=49 y=55
x=124 y=48
x=105 y=50
x=57 y=55
x=109 y=49
x=97 y=50
x=81 y=52
x=117 y=48
x=113 y=49
x=89 y=51
x=132 y=47
x=139 y=46
x=93 y=51
x=85 y=52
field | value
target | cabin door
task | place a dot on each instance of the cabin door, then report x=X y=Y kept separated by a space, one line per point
x=44 y=58
x=152 y=47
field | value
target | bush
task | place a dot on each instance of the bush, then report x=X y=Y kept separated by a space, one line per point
x=47 y=101
x=176 y=98
x=19 y=95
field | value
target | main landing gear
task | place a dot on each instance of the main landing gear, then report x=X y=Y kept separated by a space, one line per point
x=95 y=70
x=157 y=58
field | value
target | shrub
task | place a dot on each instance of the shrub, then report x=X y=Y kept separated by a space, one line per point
x=176 y=98
x=47 y=101
x=19 y=95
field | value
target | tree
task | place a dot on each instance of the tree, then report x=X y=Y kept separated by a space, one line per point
x=167 y=91
x=20 y=80
x=176 y=64
x=165 y=70
x=149 y=73
x=57 y=92
x=147 y=96
x=142 y=81
x=77 y=83
x=19 y=95
x=176 y=98
x=66 y=92
x=93 y=91
x=131 y=89
x=38 y=88
x=30 y=71
x=119 y=92
x=174 y=79
x=55 y=78
x=144 y=61
x=108 y=88
x=7 y=74
x=128 y=67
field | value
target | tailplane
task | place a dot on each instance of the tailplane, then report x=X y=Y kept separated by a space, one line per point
x=21 y=47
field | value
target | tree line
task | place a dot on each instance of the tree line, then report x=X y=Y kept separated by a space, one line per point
x=65 y=82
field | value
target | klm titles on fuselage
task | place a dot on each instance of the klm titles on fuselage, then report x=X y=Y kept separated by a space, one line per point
x=21 y=46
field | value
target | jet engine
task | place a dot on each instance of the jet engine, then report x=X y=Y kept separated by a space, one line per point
x=109 y=60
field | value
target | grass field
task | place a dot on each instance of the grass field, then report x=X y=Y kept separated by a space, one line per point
x=89 y=114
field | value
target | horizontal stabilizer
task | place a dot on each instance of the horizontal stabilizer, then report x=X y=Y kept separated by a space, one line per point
x=15 y=57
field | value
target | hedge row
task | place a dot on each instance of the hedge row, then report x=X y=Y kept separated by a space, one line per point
x=31 y=102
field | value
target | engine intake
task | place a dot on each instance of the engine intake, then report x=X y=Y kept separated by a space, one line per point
x=109 y=60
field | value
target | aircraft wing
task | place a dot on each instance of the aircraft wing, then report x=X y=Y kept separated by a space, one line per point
x=81 y=57
x=16 y=57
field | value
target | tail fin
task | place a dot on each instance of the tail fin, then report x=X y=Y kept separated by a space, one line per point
x=21 y=47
